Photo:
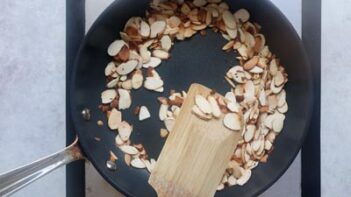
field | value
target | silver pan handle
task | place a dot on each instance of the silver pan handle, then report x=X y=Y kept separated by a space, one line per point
x=16 y=179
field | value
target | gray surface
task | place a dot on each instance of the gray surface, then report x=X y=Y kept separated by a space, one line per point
x=32 y=88
x=335 y=100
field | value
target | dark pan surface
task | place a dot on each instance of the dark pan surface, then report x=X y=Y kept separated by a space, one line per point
x=201 y=60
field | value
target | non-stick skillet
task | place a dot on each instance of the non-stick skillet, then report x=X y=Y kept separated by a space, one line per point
x=198 y=59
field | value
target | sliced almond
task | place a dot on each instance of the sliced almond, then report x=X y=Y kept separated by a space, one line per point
x=203 y=104
x=119 y=141
x=144 y=113
x=279 y=79
x=110 y=69
x=251 y=63
x=115 y=47
x=154 y=62
x=246 y=174
x=163 y=112
x=278 y=122
x=249 y=133
x=125 y=100
x=144 y=29
x=242 y=15
x=231 y=180
x=163 y=132
x=283 y=109
x=197 y=111
x=232 y=121
x=232 y=33
x=230 y=97
x=216 y=111
x=153 y=83
x=229 y=45
x=115 y=119
x=108 y=95
x=220 y=187
x=131 y=150
x=124 y=130
x=137 y=79
x=166 y=43
x=157 y=28
x=137 y=163
x=127 y=84
x=273 y=67
x=199 y=3
x=112 y=83
x=160 y=54
x=127 y=67
x=127 y=159
x=173 y=21
x=281 y=98
x=169 y=123
x=229 y=19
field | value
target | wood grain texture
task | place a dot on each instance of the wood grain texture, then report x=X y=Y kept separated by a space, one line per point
x=195 y=154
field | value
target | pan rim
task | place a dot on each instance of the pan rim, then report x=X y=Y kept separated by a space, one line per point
x=309 y=87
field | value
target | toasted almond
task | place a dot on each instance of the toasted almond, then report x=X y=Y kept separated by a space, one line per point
x=243 y=51
x=137 y=79
x=127 y=84
x=229 y=19
x=200 y=114
x=154 y=62
x=112 y=83
x=124 y=130
x=230 y=97
x=220 y=187
x=242 y=15
x=137 y=163
x=279 y=79
x=119 y=141
x=216 y=111
x=108 y=95
x=229 y=45
x=144 y=113
x=232 y=121
x=262 y=98
x=160 y=54
x=273 y=67
x=199 y=3
x=127 y=67
x=281 y=98
x=115 y=47
x=166 y=43
x=131 y=150
x=283 y=109
x=169 y=123
x=144 y=29
x=278 y=122
x=153 y=83
x=115 y=119
x=173 y=21
x=163 y=132
x=274 y=88
x=203 y=104
x=231 y=180
x=249 y=88
x=125 y=100
x=267 y=145
x=110 y=68
x=232 y=33
x=198 y=27
x=249 y=133
x=251 y=63
x=163 y=112
x=157 y=28
x=256 y=70
x=246 y=174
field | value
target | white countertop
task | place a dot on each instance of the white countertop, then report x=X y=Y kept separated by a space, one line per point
x=32 y=92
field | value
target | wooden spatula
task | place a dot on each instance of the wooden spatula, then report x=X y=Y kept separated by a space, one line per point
x=195 y=154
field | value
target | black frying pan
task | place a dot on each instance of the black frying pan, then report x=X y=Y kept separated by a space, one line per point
x=201 y=60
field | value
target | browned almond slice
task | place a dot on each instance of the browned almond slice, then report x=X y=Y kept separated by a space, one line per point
x=229 y=45
x=166 y=43
x=262 y=98
x=137 y=79
x=174 y=21
x=108 y=95
x=251 y=63
x=127 y=67
x=199 y=3
x=242 y=15
x=216 y=111
x=163 y=132
x=124 y=130
x=163 y=112
x=154 y=62
x=131 y=150
x=232 y=121
x=115 y=119
x=249 y=88
x=214 y=1
x=157 y=28
x=119 y=141
x=197 y=111
x=169 y=123
x=203 y=104
x=249 y=133
x=232 y=33
x=243 y=51
x=115 y=47
x=144 y=29
x=198 y=27
x=124 y=100
x=144 y=113
x=137 y=163
x=185 y=9
x=160 y=54
x=278 y=122
x=153 y=83
x=249 y=40
x=229 y=19
x=279 y=79
x=110 y=68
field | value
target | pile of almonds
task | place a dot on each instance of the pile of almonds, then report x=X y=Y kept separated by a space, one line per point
x=255 y=103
